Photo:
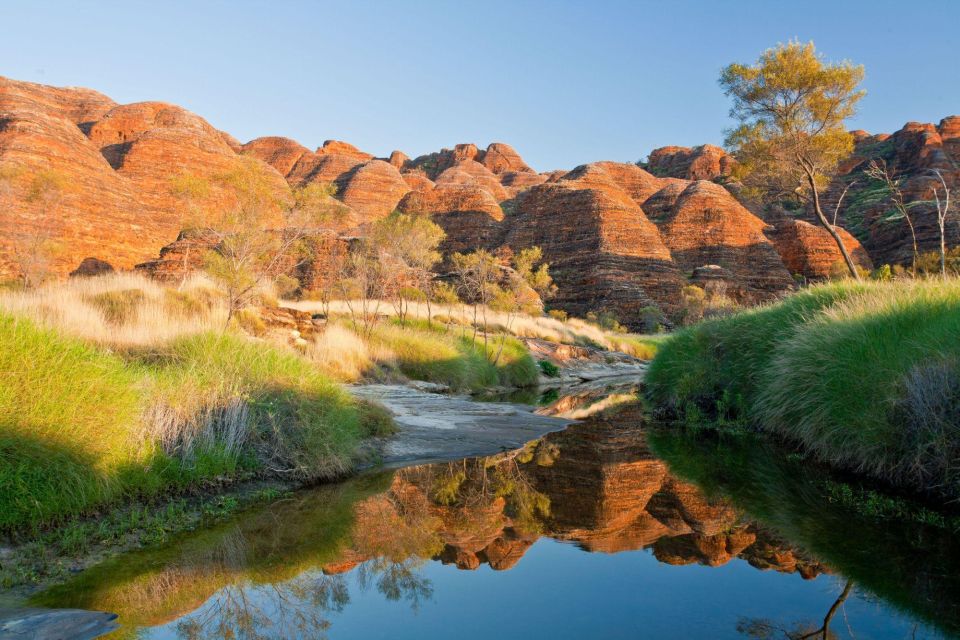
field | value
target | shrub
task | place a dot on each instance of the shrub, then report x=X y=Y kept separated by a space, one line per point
x=286 y=286
x=250 y=321
x=650 y=319
x=549 y=369
x=118 y=307
x=606 y=320
x=558 y=314
x=188 y=304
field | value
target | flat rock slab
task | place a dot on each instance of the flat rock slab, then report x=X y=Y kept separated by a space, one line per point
x=435 y=427
x=55 y=624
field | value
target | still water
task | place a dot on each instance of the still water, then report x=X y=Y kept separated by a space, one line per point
x=613 y=528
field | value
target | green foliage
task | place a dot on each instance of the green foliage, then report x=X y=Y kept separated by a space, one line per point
x=882 y=273
x=250 y=321
x=791 y=106
x=849 y=371
x=536 y=273
x=436 y=354
x=444 y=293
x=558 y=314
x=649 y=319
x=286 y=286
x=858 y=202
x=118 y=307
x=81 y=427
x=68 y=418
x=189 y=304
x=375 y=419
x=928 y=263
x=549 y=369
x=606 y=320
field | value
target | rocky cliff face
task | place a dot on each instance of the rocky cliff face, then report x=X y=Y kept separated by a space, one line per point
x=705 y=162
x=619 y=237
x=913 y=155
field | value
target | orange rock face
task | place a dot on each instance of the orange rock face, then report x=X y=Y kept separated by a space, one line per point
x=707 y=226
x=468 y=214
x=470 y=172
x=41 y=129
x=604 y=253
x=809 y=250
x=501 y=158
x=280 y=153
x=912 y=154
x=617 y=236
x=705 y=162
x=372 y=190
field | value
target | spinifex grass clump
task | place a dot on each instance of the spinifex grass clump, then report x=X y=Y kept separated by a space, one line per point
x=81 y=427
x=865 y=376
x=438 y=354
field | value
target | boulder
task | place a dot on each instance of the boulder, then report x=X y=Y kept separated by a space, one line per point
x=398 y=159
x=501 y=158
x=90 y=267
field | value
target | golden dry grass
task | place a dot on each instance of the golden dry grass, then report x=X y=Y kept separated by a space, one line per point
x=105 y=310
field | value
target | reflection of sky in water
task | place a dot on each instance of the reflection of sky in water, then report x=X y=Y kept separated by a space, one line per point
x=559 y=591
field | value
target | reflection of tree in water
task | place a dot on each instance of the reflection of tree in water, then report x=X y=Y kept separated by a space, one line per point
x=472 y=487
x=768 y=629
x=396 y=580
x=394 y=535
x=296 y=608
x=300 y=607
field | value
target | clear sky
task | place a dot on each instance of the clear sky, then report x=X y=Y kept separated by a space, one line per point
x=563 y=82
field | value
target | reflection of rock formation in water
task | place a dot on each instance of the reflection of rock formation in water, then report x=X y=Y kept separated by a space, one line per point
x=596 y=484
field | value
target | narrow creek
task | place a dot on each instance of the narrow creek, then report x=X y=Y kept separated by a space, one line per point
x=611 y=527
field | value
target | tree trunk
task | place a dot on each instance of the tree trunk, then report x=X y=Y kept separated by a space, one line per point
x=833 y=230
x=943 y=249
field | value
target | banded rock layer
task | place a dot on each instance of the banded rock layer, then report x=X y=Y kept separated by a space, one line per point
x=618 y=237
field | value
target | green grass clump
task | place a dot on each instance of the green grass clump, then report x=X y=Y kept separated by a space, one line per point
x=118 y=307
x=549 y=369
x=81 y=427
x=296 y=418
x=643 y=347
x=437 y=354
x=866 y=376
x=68 y=414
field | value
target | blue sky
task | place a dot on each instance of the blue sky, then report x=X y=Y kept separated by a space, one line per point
x=563 y=82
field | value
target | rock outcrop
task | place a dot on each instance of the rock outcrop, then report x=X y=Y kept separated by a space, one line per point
x=468 y=214
x=604 y=253
x=280 y=153
x=913 y=155
x=372 y=190
x=810 y=251
x=707 y=226
x=619 y=238
x=705 y=162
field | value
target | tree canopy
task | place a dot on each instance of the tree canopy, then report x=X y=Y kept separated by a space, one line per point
x=791 y=107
